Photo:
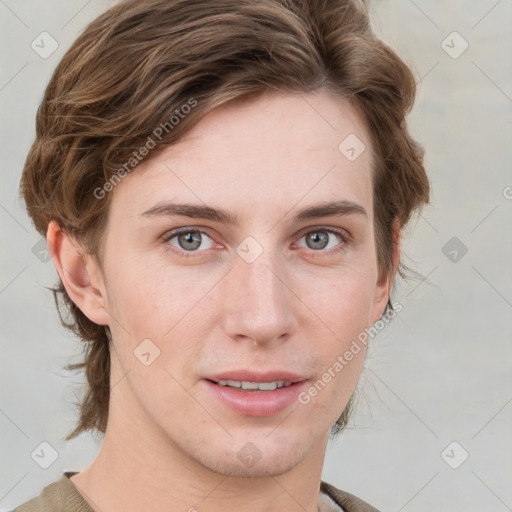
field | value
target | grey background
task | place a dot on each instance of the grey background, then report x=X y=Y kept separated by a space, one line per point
x=439 y=373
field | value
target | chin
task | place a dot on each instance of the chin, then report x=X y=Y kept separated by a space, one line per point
x=258 y=455
x=272 y=465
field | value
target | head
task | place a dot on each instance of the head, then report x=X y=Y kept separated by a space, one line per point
x=245 y=107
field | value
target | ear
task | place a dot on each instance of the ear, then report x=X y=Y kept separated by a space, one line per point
x=384 y=284
x=80 y=274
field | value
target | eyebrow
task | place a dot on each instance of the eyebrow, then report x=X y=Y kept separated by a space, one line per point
x=329 y=209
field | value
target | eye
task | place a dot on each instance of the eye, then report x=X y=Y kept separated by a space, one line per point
x=323 y=238
x=189 y=240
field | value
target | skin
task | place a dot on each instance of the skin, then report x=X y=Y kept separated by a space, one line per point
x=169 y=443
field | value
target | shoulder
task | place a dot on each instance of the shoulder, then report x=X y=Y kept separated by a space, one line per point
x=59 y=496
x=347 y=501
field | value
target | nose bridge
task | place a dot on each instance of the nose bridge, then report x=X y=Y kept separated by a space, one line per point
x=260 y=305
x=261 y=280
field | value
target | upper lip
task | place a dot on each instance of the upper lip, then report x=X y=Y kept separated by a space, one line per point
x=250 y=376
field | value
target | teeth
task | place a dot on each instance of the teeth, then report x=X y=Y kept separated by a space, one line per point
x=262 y=386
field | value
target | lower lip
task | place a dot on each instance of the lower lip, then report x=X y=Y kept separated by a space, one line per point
x=257 y=403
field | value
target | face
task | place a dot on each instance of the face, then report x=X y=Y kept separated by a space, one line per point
x=223 y=261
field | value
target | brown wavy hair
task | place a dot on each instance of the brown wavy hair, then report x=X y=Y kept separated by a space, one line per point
x=137 y=64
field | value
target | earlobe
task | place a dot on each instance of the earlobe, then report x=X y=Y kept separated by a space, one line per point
x=385 y=282
x=80 y=274
x=397 y=237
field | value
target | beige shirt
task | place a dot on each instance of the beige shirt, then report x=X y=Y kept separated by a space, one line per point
x=63 y=496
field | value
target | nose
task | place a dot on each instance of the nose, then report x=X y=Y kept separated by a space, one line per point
x=259 y=304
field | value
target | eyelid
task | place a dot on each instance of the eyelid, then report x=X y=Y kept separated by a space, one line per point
x=168 y=235
x=341 y=232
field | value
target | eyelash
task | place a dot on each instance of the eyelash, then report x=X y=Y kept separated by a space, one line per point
x=344 y=236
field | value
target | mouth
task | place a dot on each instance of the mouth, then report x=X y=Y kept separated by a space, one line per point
x=252 y=394
x=254 y=386
x=247 y=380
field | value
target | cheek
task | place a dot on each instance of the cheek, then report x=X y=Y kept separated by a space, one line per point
x=150 y=296
x=344 y=302
x=344 y=306
x=151 y=301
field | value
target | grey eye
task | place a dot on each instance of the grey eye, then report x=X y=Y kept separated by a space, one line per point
x=191 y=240
x=321 y=239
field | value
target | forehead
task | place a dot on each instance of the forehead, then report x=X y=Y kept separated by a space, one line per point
x=272 y=152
